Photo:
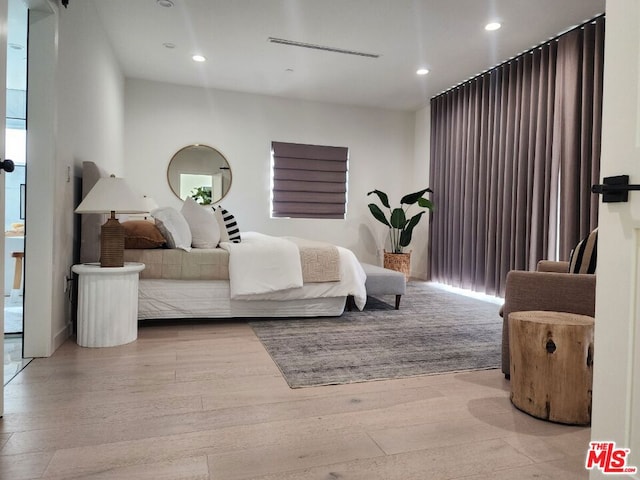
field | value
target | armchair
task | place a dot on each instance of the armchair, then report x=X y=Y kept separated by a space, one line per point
x=549 y=288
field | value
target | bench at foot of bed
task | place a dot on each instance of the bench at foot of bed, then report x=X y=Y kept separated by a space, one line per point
x=382 y=281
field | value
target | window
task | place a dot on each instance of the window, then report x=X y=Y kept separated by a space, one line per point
x=309 y=181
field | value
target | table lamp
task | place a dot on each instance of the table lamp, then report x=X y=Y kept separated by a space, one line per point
x=149 y=205
x=111 y=195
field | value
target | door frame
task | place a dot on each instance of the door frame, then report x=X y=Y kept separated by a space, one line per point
x=4 y=8
x=38 y=340
x=616 y=387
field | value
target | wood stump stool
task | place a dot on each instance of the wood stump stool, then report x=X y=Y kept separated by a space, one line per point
x=552 y=365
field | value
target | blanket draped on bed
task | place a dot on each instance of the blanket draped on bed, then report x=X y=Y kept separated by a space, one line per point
x=320 y=261
x=266 y=267
x=262 y=263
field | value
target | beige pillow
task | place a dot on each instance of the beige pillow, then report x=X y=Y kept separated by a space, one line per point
x=205 y=232
x=142 y=234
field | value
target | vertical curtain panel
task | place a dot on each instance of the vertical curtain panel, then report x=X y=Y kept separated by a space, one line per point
x=514 y=152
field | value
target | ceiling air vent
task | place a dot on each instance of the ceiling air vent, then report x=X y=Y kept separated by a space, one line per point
x=293 y=43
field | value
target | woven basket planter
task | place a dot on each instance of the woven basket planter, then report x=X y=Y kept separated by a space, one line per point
x=400 y=262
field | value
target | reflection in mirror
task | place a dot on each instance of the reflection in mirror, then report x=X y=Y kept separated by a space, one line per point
x=201 y=172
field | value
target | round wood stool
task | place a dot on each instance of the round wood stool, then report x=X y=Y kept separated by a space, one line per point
x=552 y=365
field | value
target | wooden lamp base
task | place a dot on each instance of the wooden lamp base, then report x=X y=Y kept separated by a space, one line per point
x=112 y=243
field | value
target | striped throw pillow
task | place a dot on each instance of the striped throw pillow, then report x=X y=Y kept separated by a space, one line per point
x=583 y=257
x=229 y=231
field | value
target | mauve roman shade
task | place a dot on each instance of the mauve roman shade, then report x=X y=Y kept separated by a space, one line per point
x=309 y=181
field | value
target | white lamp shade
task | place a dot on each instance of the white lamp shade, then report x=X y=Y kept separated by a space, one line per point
x=149 y=204
x=111 y=194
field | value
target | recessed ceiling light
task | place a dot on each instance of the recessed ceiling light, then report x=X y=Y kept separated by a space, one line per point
x=169 y=45
x=422 y=71
x=198 y=58
x=165 y=3
x=492 y=26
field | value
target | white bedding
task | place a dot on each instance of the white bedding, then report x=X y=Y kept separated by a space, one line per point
x=262 y=264
x=352 y=283
x=268 y=270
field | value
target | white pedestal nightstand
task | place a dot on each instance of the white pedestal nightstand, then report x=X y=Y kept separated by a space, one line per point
x=107 y=304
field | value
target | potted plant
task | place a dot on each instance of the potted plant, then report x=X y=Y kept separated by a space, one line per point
x=202 y=195
x=400 y=226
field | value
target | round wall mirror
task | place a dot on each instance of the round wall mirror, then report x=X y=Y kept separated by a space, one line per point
x=200 y=172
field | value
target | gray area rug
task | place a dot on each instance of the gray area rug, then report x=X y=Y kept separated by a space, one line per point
x=434 y=331
x=13 y=319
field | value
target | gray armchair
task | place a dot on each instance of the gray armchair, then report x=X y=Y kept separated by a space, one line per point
x=549 y=288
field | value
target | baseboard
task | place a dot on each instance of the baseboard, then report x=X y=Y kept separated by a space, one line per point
x=61 y=337
x=420 y=275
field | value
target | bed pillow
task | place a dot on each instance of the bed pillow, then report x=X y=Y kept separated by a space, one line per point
x=229 y=231
x=583 y=257
x=205 y=232
x=142 y=234
x=173 y=227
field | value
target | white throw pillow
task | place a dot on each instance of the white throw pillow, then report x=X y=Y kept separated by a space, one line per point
x=173 y=227
x=205 y=232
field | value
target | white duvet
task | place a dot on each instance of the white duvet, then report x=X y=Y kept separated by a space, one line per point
x=262 y=267
x=261 y=264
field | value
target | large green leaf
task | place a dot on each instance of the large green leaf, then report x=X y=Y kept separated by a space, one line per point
x=398 y=218
x=382 y=196
x=426 y=203
x=405 y=236
x=412 y=198
x=378 y=214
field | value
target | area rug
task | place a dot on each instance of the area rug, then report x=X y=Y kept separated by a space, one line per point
x=13 y=319
x=435 y=331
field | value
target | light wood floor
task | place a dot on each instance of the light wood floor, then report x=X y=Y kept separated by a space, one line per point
x=205 y=401
x=13 y=361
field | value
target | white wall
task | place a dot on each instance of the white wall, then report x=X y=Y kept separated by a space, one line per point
x=421 y=179
x=76 y=92
x=162 y=118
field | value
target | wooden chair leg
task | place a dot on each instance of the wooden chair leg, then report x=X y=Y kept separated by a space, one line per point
x=17 y=274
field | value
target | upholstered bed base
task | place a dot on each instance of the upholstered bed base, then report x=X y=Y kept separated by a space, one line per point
x=177 y=284
x=173 y=299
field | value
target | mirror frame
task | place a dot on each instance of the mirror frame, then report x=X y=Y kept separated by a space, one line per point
x=173 y=167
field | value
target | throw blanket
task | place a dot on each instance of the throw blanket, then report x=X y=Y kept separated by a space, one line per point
x=262 y=267
x=262 y=264
x=320 y=261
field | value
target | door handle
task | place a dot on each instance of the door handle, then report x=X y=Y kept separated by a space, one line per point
x=615 y=189
x=7 y=166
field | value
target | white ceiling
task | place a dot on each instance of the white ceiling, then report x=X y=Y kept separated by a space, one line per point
x=445 y=36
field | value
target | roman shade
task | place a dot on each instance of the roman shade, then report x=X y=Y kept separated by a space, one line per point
x=309 y=181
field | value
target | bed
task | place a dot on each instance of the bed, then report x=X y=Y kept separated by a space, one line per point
x=234 y=280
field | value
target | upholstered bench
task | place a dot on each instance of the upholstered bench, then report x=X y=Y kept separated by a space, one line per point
x=382 y=281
